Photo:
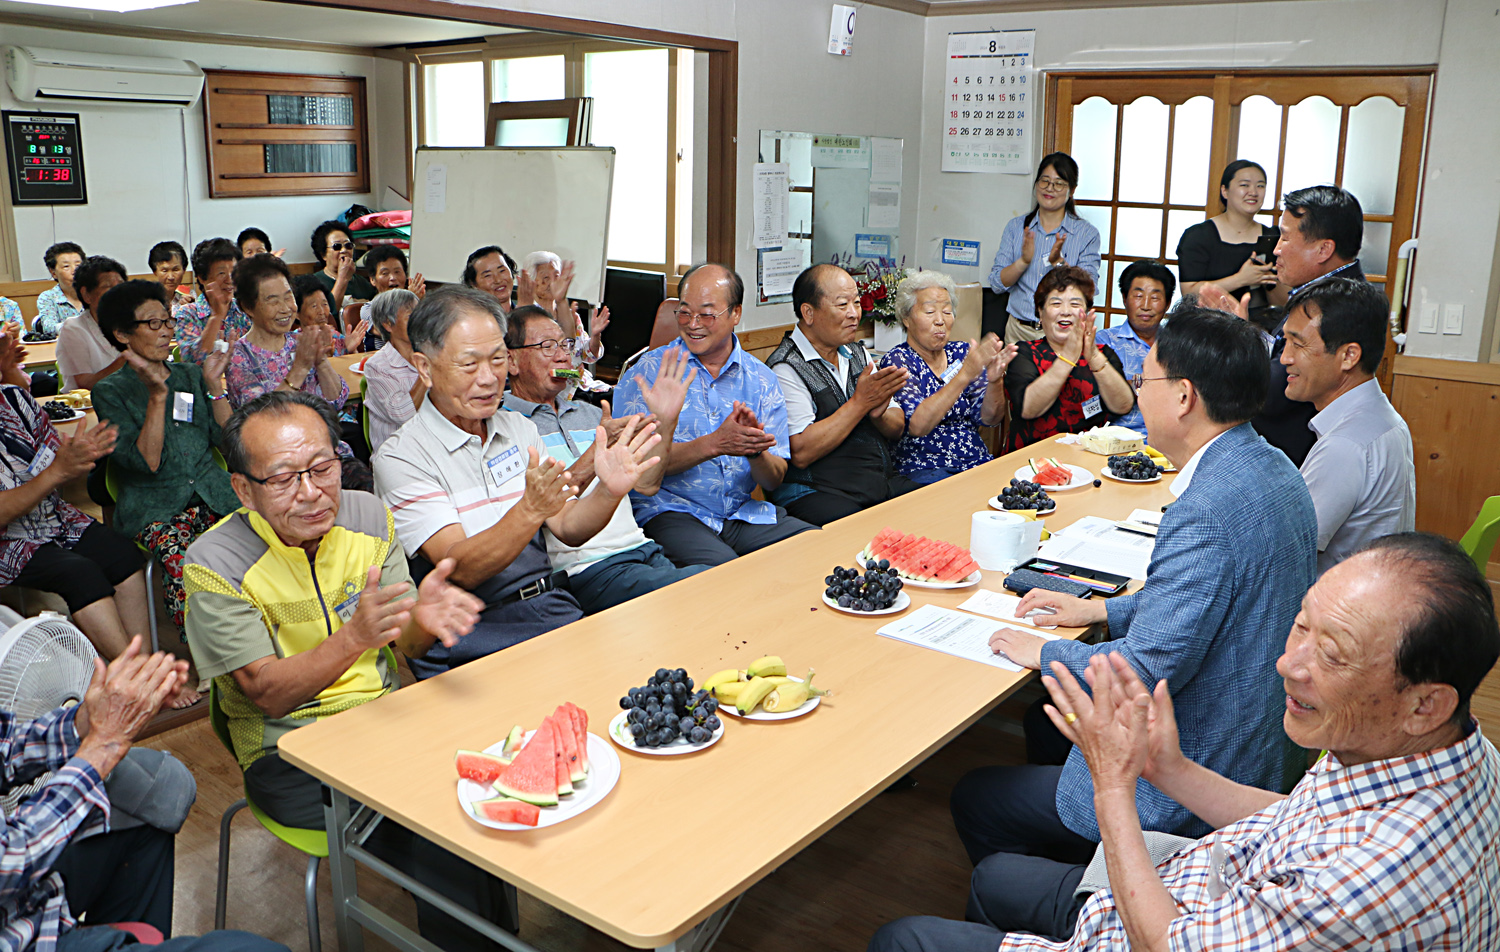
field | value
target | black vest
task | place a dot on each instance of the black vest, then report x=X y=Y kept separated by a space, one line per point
x=860 y=467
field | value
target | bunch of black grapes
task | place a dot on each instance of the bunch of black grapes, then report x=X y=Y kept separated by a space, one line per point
x=666 y=709
x=875 y=590
x=1024 y=494
x=1135 y=466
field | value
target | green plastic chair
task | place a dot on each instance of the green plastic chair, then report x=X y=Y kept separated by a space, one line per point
x=364 y=412
x=1480 y=540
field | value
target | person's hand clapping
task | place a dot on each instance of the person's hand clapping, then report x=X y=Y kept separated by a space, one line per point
x=997 y=365
x=219 y=294
x=548 y=486
x=380 y=614
x=741 y=434
x=444 y=610
x=354 y=341
x=1028 y=246
x=1113 y=737
x=1164 y=755
x=620 y=464
x=417 y=285
x=152 y=374
x=874 y=387
x=217 y=361
x=1212 y=296
x=1091 y=353
x=525 y=288
x=121 y=700
x=1055 y=257
x=598 y=322
x=980 y=354
x=76 y=454
x=665 y=395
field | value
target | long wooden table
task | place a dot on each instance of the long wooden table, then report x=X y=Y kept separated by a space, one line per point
x=737 y=809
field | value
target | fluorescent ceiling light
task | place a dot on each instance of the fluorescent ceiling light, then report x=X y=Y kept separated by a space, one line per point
x=109 y=6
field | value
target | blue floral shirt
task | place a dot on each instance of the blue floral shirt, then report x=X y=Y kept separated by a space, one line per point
x=953 y=444
x=10 y=314
x=718 y=489
x=1132 y=351
x=52 y=308
x=191 y=318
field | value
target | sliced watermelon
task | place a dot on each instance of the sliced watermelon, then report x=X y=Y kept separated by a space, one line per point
x=478 y=766
x=575 y=714
x=569 y=738
x=506 y=810
x=532 y=776
x=564 y=776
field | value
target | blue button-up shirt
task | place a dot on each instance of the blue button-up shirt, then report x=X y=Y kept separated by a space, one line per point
x=1125 y=342
x=1080 y=247
x=718 y=489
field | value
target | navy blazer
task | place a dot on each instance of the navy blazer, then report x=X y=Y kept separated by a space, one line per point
x=1233 y=558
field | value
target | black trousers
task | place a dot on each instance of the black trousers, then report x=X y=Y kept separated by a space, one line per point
x=688 y=541
x=294 y=798
x=86 y=573
x=120 y=877
x=820 y=508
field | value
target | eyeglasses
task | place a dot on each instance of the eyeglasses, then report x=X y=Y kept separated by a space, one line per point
x=549 y=346
x=341 y=245
x=1136 y=380
x=285 y=483
x=686 y=315
x=1052 y=185
x=157 y=323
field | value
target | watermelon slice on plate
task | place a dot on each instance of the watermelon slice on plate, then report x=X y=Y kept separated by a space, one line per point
x=1054 y=476
x=532 y=778
x=923 y=562
x=506 y=810
x=478 y=766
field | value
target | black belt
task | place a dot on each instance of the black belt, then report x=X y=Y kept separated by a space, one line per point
x=1031 y=324
x=540 y=587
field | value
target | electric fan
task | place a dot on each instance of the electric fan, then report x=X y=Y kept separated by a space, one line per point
x=45 y=663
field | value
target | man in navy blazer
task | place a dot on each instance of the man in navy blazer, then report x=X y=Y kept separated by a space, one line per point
x=1233 y=558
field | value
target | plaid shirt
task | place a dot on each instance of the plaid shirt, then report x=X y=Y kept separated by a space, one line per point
x=1394 y=854
x=33 y=906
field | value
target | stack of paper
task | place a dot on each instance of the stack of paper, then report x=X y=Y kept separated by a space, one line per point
x=954 y=633
x=1098 y=544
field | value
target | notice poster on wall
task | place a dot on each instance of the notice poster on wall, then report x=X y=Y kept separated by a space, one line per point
x=988 y=99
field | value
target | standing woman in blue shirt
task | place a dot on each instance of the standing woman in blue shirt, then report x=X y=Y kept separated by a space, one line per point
x=1048 y=236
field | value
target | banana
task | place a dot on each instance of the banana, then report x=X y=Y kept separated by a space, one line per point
x=729 y=691
x=769 y=666
x=792 y=695
x=781 y=679
x=754 y=692
x=723 y=677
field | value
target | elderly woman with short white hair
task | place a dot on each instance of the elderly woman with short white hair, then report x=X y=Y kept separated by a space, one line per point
x=547 y=277
x=952 y=387
x=393 y=390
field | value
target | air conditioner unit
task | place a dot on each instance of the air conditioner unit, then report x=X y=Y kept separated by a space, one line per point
x=42 y=75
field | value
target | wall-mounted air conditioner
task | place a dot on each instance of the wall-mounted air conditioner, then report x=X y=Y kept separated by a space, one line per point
x=42 y=75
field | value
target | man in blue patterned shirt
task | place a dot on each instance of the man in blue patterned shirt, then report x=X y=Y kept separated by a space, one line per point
x=1146 y=287
x=731 y=435
x=68 y=849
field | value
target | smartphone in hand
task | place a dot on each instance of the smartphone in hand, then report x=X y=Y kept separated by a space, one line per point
x=1265 y=248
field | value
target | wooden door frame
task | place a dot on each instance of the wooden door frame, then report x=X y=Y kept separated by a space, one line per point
x=723 y=87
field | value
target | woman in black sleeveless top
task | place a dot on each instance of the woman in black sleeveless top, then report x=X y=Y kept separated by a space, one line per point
x=1222 y=249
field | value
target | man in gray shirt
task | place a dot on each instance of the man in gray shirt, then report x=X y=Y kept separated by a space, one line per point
x=1360 y=471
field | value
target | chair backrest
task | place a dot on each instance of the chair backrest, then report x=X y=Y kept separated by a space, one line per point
x=664 y=331
x=968 y=312
x=1480 y=540
x=364 y=411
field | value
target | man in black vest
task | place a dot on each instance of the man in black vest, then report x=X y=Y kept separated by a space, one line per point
x=1322 y=228
x=838 y=406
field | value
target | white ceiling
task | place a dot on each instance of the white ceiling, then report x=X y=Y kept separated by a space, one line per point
x=266 y=20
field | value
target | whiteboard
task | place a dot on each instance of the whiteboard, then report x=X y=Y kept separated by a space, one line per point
x=522 y=199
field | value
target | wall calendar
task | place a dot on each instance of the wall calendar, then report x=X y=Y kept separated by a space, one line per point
x=988 y=102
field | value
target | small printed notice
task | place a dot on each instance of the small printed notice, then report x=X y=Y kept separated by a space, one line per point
x=885 y=159
x=435 y=190
x=778 y=271
x=884 y=210
x=954 y=633
x=841 y=30
x=840 y=152
x=959 y=251
x=872 y=246
x=988 y=99
x=772 y=201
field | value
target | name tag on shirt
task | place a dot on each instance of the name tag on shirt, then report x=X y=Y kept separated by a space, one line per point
x=1092 y=406
x=182 y=407
x=41 y=461
x=346 y=608
x=952 y=371
x=506 y=466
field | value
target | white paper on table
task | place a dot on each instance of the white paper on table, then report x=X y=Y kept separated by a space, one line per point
x=435 y=194
x=1002 y=606
x=778 y=271
x=954 y=633
x=771 y=204
x=1098 y=544
x=885 y=206
x=885 y=159
x=1141 y=521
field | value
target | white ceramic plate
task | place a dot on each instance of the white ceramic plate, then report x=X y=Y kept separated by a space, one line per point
x=1081 y=478
x=604 y=773
x=77 y=415
x=1108 y=473
x=902 y=602
x=1041 y=513
x=620 y=734
x=907 y=581
x=762 y=715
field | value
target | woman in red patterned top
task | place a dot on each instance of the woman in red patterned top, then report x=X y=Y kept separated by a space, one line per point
x=1064 y=382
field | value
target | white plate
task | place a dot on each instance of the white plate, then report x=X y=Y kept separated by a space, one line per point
x=77 y=415
x=762 y=715
x=1041 y=513
x=1081 y=478
x=621 y=735
x=1108 y=473
x=604 y=773
x=906 y=580
x=901 y=603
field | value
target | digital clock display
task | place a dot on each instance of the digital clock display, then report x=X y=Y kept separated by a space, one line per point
x=45 y=158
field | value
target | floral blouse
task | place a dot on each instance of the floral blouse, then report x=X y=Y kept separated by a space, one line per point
x=28 y=443
x=1078 y=407
x=253 y=371
x=52 y=308
x=10 y=317
x=953 y=444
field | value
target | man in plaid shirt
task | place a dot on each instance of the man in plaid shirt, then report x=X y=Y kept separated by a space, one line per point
x=1391 y=841
x=62 y=855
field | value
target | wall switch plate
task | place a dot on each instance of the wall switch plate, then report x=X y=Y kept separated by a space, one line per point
x=1427 y=324
x=1453 y=318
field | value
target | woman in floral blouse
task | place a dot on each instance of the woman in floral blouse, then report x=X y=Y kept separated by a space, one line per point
x=952 y=387
x=1064 y=382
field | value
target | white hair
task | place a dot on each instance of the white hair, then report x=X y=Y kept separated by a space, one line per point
x=531 y=262
x=906 y=291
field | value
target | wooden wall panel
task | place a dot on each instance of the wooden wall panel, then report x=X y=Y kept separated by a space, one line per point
x=1453 y=410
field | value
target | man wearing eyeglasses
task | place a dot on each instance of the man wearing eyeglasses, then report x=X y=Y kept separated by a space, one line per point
x=620 y=562
x=291 y=601
x=730 y=437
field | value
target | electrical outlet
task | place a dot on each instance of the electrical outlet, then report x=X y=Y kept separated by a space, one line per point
x=1453 y=318
x=1428 y=322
